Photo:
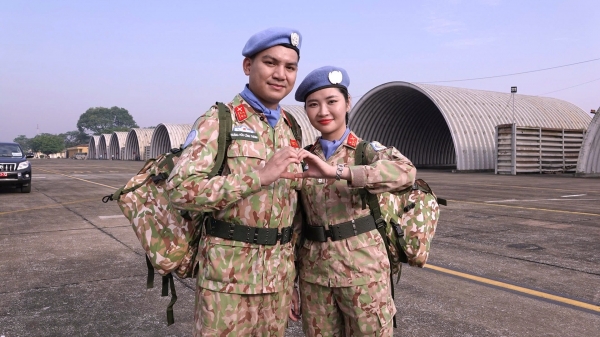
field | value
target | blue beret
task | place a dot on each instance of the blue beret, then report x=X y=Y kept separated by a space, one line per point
x=321 y=78
x=270 y=37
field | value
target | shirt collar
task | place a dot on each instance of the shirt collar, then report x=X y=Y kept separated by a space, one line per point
x=272 y=115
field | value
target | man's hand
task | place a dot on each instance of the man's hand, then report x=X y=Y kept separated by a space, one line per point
x=277 y=165
x=295 y=313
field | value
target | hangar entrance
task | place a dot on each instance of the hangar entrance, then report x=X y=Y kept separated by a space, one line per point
x=404 y=117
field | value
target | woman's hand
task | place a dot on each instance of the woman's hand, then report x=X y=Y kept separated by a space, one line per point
x=317 y=168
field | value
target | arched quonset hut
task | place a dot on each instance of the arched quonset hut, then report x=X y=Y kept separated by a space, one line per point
x=168 y=136
x=309 y=133
x=93 y=147
x=117 y=145
x=588 y=163
x=447 y=127
x=104 y=145
x=137 y=144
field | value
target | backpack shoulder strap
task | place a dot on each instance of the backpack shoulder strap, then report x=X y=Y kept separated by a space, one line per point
x=369 y=198
x=224 y=140
x=293 y=124
x=373 y=202
x=310 y=147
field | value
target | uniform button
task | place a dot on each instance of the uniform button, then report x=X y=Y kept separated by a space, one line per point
x=262 y=118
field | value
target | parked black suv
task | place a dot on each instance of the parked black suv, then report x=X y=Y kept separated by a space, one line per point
x=15 y=169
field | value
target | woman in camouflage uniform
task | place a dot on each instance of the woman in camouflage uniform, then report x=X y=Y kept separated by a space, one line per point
x=344 y=269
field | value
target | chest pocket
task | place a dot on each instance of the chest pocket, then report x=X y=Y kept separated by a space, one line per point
x=244 y=154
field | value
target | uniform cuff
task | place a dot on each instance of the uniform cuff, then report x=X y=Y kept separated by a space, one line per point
x=252 y=181
x=358 y=176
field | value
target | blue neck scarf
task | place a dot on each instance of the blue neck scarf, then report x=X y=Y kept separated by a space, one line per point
x=330 y=146
x=272 y=115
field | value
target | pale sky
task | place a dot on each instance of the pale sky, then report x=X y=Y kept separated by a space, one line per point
x=168 y=61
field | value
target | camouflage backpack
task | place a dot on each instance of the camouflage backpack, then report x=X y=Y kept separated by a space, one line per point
x=170 y=237
x=409 y=217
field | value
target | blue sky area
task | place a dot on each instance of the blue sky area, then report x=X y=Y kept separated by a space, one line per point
x=168 y=61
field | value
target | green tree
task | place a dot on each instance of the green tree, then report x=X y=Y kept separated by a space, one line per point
x=47 y=143
x=101 y=120
x=23 y=141
x=74 y=138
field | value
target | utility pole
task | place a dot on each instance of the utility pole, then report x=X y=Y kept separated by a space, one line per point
x=513 y=91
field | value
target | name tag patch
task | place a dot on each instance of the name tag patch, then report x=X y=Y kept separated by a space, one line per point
x=243 y=132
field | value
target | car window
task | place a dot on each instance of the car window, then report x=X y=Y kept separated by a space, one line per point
x=9 y=150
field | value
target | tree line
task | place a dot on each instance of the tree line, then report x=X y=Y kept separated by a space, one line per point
x=95 y=121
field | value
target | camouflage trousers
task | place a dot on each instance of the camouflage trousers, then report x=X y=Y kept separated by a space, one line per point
x=228 y=315
x=364 y=310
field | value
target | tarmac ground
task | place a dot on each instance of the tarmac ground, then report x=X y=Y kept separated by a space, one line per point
x=512 y=256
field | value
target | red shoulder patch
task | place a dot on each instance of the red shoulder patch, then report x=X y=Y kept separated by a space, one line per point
x=352 y=140
x=240 y=113
x=294 y=143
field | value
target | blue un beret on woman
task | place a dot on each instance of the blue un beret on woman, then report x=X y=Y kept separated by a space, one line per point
x=321 y=78
x=276 y=36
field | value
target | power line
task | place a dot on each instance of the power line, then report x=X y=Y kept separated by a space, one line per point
x=505 y=75
x=573 y=86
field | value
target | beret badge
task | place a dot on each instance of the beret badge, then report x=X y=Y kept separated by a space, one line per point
x=295 y=39
x=335 y=77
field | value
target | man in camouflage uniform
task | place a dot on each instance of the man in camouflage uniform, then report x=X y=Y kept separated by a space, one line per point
x=344 y=267
x=245 y=284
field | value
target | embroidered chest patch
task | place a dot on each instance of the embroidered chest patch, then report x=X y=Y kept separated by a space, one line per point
x=243 y=132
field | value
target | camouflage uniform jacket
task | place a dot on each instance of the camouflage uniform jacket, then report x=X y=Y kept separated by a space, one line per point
x=237 y=197
x=360 y=259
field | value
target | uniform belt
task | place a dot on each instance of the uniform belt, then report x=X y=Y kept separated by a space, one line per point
x=340 y=231
x=261 y=236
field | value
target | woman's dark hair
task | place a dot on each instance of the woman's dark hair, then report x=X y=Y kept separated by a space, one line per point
x=344 y=92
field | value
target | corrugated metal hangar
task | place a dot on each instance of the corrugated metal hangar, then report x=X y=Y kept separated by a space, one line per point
x=168 y=136
x=434 y=126
x=589 y=156
x=117 y=145
x=143 y=144
x=93 y=147
x=447 y=127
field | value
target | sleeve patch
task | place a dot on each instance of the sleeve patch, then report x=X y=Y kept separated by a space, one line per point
x=190 y=138
x=377 y=146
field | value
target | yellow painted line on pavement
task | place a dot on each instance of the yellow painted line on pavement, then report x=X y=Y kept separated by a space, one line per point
x=517 y=288
x=521 y=207
x=48 y=206
x=87 y=181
